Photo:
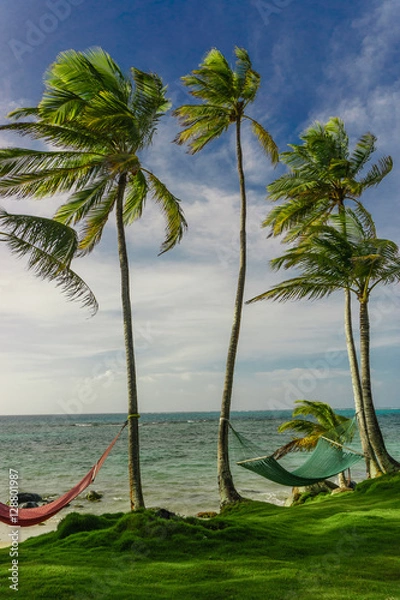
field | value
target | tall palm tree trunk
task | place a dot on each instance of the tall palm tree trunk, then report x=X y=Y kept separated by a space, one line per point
x=371 y=462
x=227 y=491
x=135 y=485
x=387 y=463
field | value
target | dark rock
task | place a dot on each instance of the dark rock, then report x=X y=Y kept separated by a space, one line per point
x=93 y=496
x=30 y=505
x=27 y=497
x=163 y=513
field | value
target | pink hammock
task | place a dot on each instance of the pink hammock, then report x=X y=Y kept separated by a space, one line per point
x=32 y=516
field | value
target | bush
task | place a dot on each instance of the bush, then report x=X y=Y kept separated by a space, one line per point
x=76 y=523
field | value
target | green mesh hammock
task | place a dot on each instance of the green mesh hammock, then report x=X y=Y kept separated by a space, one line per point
x=328 y=458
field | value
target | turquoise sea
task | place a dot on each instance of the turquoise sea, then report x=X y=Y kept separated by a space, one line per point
x=178 y=456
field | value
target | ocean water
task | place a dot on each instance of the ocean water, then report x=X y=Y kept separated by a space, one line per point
x=178 y=457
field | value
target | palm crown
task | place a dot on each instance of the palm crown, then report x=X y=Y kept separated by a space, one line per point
x=342 y=255
x=225 y=94
x=324 y=420
x=323 y=174
x=97 y=119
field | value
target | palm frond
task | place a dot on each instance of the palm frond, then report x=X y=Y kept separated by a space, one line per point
x=191 y=114
x=247 y=81
x=295 y=217
x=203 y=131
x=82 y=202
x=265 y=139
x=96 y=220
x=62 y=136
x=149 y=100
x=377 y=172
x=298 y=288
x=135 y=198
x=50 y=247
x=21 y=113
x=47 y=183
x=304 y=444
x=171 y=209
x=365 y=219
x=362 y=152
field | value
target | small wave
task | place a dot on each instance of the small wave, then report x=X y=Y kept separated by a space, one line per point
x=83 y=424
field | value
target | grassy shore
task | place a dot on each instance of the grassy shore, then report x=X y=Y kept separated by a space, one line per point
x=342 y=547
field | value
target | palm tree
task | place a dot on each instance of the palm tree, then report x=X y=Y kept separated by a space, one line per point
x=97 y=120
x=324 y=174
x=344 y=255
x=50 y=247
x=225 y=94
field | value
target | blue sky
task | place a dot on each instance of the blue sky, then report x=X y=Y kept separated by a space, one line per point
x=316 y=60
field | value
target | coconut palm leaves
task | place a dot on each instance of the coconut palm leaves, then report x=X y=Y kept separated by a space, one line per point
x=323 y=420
x=340 y=255
x=50 y=247
x=99 y=131
x=323 y=174
x=96 y=120
x=224 y=94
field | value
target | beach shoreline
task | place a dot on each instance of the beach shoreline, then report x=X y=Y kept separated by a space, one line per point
x=25 y=532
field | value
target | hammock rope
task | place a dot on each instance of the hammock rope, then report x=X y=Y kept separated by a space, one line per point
x=328 y=458
x=26 y=517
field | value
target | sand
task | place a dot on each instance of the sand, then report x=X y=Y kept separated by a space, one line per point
x=26 y=532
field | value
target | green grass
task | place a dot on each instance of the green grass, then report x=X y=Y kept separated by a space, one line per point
x=342 y=547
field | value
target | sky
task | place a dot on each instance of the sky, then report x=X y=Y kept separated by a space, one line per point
x=316 y=60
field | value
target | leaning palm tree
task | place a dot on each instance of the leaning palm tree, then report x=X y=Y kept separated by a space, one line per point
x=344 y=255
x=225 y=94
x=324 y=174
x=50 y=248
x=97 y=120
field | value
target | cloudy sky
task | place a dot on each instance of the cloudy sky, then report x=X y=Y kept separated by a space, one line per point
x=316 y=60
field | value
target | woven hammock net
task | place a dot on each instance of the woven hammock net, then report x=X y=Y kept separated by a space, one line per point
x=329 y=458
